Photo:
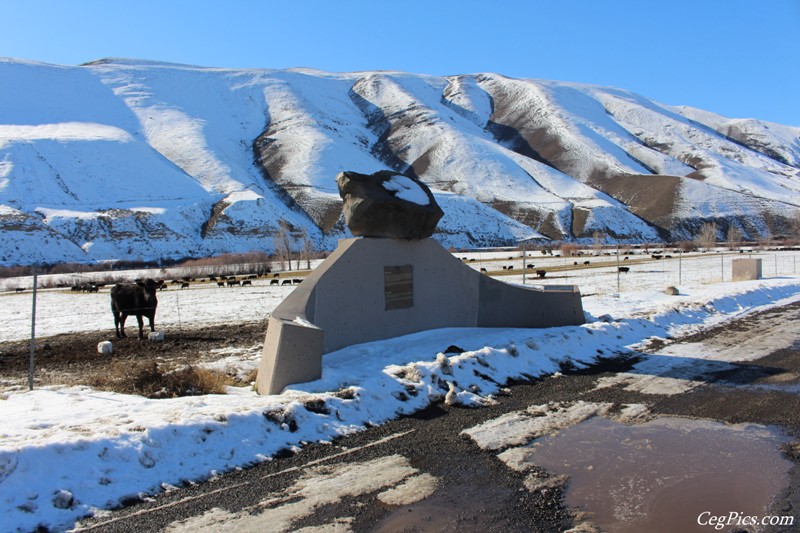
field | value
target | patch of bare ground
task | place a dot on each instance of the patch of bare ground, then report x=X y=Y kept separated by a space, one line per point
x=172 y=367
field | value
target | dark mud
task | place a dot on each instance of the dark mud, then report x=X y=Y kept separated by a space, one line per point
x=73 y=358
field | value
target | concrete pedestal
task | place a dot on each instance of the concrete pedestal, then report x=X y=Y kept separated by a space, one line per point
x=371 y=289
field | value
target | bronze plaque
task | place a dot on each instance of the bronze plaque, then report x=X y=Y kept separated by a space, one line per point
x=398 y=286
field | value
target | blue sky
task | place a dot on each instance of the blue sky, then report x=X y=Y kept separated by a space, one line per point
x=738 y=58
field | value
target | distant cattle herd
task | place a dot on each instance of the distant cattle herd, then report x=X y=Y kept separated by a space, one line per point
x=223 y=281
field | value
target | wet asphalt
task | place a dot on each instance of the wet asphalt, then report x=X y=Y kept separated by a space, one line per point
x=477 y=492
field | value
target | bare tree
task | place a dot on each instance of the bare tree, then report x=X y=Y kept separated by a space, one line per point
x=794 y=226
x=733 y=237
x=308 y=247
x=599 y=239
x=765 y=239
x=568 y=249
x=282 y=241
x=707 y=238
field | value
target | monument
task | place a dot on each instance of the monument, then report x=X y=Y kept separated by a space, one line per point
x=391 y=280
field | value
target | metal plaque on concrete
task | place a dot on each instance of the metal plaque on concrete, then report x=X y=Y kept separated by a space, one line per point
x=398 y=286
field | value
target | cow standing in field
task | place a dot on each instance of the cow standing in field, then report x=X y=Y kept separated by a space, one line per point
x=134 y=299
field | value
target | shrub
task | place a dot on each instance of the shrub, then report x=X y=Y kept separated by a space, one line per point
x=151 y=381
x=568 y=249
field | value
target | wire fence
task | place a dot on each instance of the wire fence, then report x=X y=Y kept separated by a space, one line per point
x=62 y=310
x=608 y=273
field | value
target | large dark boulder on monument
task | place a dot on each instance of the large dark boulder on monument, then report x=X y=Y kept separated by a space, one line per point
x=387 y=204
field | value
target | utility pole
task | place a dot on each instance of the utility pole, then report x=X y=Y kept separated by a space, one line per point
x=524 y=270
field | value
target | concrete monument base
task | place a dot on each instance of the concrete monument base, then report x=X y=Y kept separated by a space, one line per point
x=371 y=289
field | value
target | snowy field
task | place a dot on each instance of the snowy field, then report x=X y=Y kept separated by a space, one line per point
x=69 y=452
x=63 y=311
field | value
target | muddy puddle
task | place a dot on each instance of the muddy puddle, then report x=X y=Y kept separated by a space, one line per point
x=661 y=476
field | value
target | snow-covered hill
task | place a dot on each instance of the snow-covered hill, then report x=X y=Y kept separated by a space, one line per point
x=130 y=159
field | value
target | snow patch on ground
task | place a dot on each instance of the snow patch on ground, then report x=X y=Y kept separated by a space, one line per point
x=520 y=427
x=316 y=487
x=412 y=490
x=103 y=447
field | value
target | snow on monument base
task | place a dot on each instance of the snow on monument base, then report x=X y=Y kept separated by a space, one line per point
x=370 y=289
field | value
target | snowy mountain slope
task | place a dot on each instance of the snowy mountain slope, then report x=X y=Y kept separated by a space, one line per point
x=776 y=141
x=132 y=159
x=457 y=227
x=717 y=161
x=204 y=121
x=647 y=139
x=314 y=132
x=420 y=126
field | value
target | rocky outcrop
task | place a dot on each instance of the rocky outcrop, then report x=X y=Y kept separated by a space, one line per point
x=387 y=204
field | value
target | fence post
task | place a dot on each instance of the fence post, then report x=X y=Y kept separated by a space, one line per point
x=33 y=333
x=178 y=307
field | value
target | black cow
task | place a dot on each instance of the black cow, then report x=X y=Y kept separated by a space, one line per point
x=134 y=299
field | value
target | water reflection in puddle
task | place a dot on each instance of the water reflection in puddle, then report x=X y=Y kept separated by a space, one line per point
x=661 y=475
